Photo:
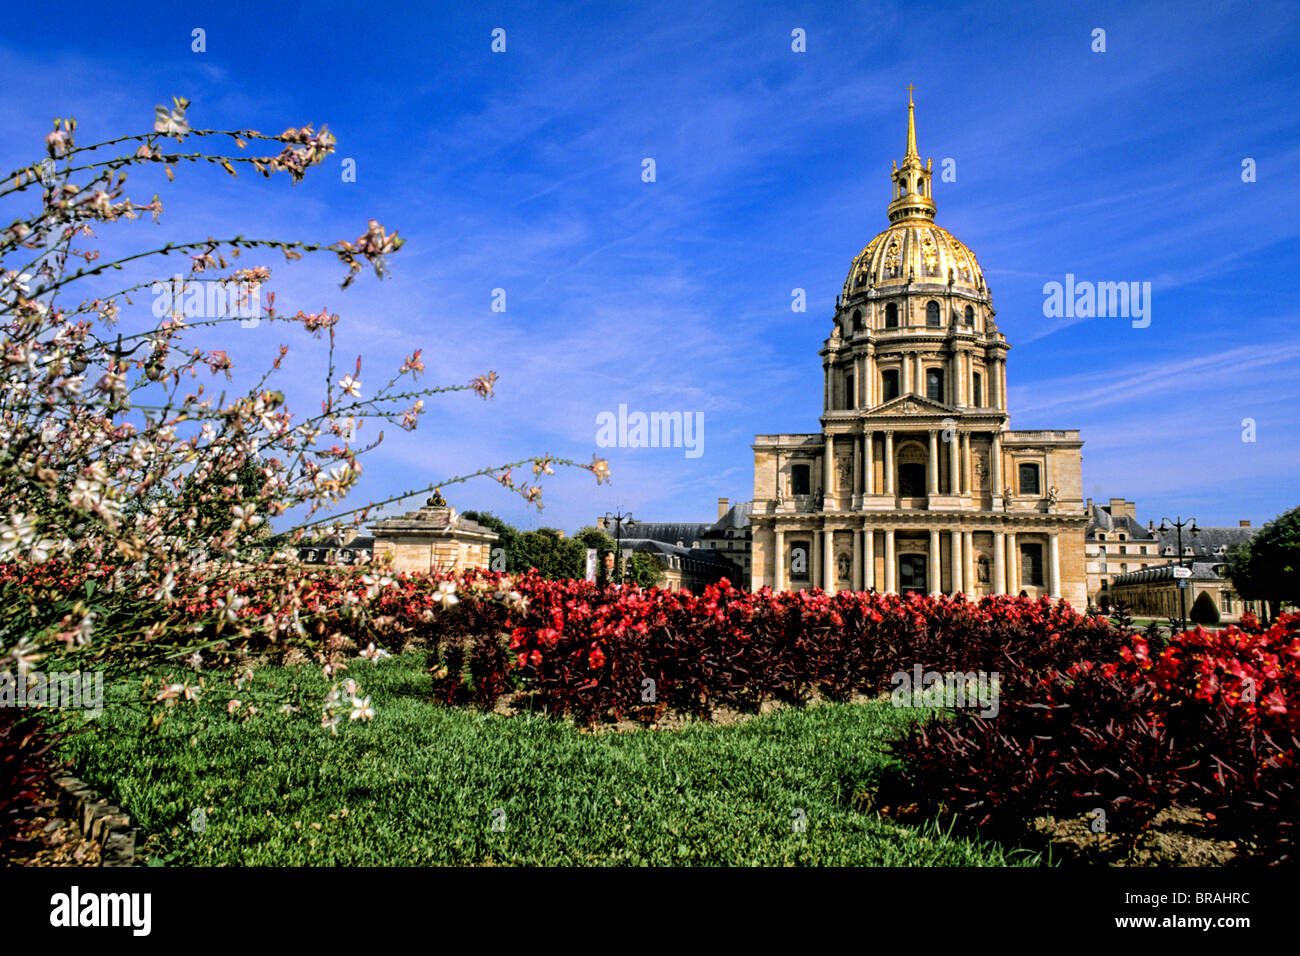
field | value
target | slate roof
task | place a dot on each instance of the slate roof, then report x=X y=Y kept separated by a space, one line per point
x=736 y=518
x=1207 y=541
x=1201 y=571
x=1100 y=519
x=667 y=531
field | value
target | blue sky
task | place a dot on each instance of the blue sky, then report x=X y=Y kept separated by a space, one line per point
x=522 y=171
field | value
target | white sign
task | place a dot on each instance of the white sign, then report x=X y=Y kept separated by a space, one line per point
x=1182 y=572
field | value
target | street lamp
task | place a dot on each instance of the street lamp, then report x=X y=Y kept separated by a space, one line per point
x=618 y=518
x=1165 y=524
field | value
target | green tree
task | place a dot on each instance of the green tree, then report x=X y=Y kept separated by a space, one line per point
x=643 y=569
x=508 y=540
x=1268 y=567
x=554 y=556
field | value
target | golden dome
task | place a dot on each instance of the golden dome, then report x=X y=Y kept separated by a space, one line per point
x=913 y=249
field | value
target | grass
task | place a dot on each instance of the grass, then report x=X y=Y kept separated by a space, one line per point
x=420 y=782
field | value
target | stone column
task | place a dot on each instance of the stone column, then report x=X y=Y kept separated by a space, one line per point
x=906 y=384
x=1002 y=382
x=828 y=473
x=967 y=478
x=857 y=464
x=999 y=563
x=936 y=579
x=1013 y=564
x=869 y=558
x=828 y=561
x=889 y=463
x=891 y=577
x=954 y=556
x=814 y=559
x=857 y=559
x=1054 y=566
x=920 y=375
x=826 y=388
x=995 y=460
x=954 y=464
x=932 y=484
x=968 y=575
x=869 y=462
x=778 y=574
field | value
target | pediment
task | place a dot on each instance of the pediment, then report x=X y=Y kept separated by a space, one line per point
x=913 y=405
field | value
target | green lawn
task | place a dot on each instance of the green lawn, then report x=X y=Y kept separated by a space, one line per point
x=419 y=783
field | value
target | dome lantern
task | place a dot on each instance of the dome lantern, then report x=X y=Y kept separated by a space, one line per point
x=912 y=196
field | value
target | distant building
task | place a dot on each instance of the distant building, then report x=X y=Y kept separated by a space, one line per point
x=731 y=536
x=352 y=547
x=1115 y=543
x=694 y=554
x=433 y=539
x=1134 y=565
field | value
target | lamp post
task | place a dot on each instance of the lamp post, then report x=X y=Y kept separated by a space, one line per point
x=618 y=518
x=1165 y=524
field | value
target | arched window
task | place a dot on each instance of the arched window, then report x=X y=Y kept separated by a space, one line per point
x=970 y=315
x=934 y=384
x=857 y=320
x=889 y=384
x=850 y=396
x=1029 y=484
x=977 y=390
x=891 y=315
x=932 y=314
x=902 y=187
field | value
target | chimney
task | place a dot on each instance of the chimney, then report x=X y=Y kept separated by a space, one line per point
x=724 y=505
x=1243 y=524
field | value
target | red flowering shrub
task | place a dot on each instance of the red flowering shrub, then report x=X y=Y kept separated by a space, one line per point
x=1087 y=717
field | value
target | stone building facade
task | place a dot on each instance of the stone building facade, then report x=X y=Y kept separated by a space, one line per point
x=916 y=481
x=432 y=539
x=1117 y=543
